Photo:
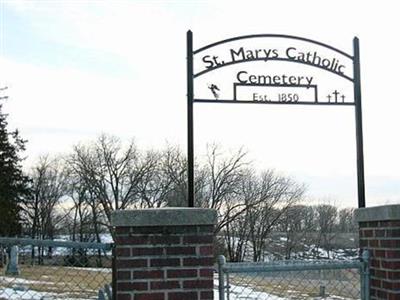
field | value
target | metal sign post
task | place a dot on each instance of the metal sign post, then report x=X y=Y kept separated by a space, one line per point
x=190 y=118
x=359 y=131
x=277 y=86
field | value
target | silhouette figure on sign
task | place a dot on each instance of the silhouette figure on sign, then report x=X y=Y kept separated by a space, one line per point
x=214 y=89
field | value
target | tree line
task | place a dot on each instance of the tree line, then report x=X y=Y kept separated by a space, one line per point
x=74 y=194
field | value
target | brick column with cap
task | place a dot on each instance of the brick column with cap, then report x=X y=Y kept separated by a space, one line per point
x=164 y=254
x=380 y=234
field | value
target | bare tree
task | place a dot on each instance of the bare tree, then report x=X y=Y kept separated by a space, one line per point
x=262 y=199
x=49 y=187
x=298 y=226
x=111 y=172
x=327 y=221
x=218 y=184
x=277 y=194
x=347 y=222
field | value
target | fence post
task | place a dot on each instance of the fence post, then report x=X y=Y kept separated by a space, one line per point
x=12 y=267
x=221 y=281
x=114 y=273
x=365 y=275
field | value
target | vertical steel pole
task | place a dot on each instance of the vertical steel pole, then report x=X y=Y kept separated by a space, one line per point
x=189 y=58
x=221 y=281
x=114 y=271
x=365 y=280
x=359 y=131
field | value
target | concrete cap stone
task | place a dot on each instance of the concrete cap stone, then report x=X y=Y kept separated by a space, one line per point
x=171 y=216
x=378 y=213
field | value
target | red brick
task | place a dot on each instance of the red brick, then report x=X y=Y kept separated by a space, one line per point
x=165 y=240
x=198 y=239
x=198 y=284
x=150 y=296
x=146 y=230
x=380 y=232
x=207 y=272
x=393 y=233
x=203 y=261
x=381 y=294
x=181 y=273
x=372 y=292
x=393 y=223
x=393 y=275
x=148 y=274
x=206 y=250
x=165 y=262
x=123 y=297
x=375 y=263
x=206 y=228
x=393 y=253
x=367 y=233
x=131 y=286
x=392 y=296
x=164 y=285
x=182 y=296
x=122 y=230
x=131 y=240
x=181 y=250
x=372 y=224
x=123 y=252
x=376 y=283
x=380 y=273
x=146 y=251
x=373 y=243
x=148 y=240
x=394 y=286
x=363 y=243
x=395 y=265
x=206 y=295
x=379 y=253
x=390 y=243
x=362 y=225
x=131 y=263
x=123 y=275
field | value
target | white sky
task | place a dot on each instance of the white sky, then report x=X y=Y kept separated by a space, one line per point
x=76 y=69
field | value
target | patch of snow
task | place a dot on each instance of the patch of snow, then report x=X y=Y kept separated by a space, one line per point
x=22 y=281
x=17 y=294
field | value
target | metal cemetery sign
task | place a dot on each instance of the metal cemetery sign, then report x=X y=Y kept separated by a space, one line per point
x=273 y=69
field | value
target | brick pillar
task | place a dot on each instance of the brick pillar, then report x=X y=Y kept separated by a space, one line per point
x=164 y=254
x=380 y=234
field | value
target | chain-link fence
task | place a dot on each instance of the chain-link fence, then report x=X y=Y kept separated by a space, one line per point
x=45 y=269
x=294 y=280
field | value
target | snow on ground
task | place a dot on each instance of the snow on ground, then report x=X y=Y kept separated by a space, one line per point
x=21 y=294
x=101 y=270
x=9 y=293
x=245 y=293
x=15 y=280
x=238 y=292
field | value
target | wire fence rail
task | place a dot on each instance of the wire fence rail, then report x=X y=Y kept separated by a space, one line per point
x=278 y=280
x=46 y=269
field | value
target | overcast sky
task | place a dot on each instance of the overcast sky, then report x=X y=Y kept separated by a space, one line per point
x=76 y=69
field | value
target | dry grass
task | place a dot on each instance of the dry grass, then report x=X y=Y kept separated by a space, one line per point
x=69 y=282
x=298 y=285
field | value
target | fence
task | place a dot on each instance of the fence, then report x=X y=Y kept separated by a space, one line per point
x=294 y=280
x=47 y=269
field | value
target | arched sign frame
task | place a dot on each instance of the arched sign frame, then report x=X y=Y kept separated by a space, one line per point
x=355 y=58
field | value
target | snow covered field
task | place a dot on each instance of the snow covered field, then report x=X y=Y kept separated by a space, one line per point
x=19 y=290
